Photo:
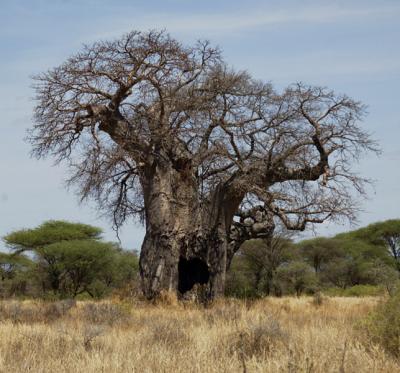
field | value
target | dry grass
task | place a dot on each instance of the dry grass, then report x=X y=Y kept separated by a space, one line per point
x=269 y=335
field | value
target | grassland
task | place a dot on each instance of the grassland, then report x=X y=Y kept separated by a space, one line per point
x=269 y=335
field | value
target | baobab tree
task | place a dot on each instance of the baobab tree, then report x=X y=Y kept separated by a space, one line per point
x=204 y=155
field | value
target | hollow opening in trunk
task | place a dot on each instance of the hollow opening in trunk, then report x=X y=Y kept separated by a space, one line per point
x=191 y=272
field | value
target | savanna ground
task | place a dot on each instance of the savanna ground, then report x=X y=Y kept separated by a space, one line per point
x=268 y=335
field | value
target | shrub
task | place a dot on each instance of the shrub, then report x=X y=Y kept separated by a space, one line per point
x=239 y=282
x=356 y=291
x=297 y=277
x=383 y=325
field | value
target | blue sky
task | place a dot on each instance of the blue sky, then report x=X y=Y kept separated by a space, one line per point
x=350 y=46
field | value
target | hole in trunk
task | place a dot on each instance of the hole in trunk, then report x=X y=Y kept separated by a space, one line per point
x=191 y=272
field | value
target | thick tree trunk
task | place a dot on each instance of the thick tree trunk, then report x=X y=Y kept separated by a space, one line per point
x=177 y=263
x=186 y=242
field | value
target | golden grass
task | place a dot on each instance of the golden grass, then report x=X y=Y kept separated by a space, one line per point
x=269 y=335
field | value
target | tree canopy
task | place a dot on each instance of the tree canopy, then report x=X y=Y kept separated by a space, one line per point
x=147 y=91
x=384 y=234
x=70 y=258
x=352 y=263
x=50 y=232
x=171 y=134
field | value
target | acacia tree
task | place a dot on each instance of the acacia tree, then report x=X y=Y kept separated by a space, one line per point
x=263 y=257
x=320 y=250
x=170 y=134
x=68 y=258
x=384 y=234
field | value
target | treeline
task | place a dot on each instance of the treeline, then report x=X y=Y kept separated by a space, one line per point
x=59 y=259
x=361 y=262
x=64 y=260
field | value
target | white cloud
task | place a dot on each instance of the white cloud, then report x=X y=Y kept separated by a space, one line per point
x=327 y=64
x=212 y=24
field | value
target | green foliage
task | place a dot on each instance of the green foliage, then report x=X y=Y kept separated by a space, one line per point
x=297 y=276
x=376 y=233
x=239 y=283
x=257 y=262
x=319 y=251
x=73 y=267
x=50 y=232
x=346 y=260
x=384 y=236
x=356 y=291
x=357 y=248
x=355 y=263
x=11 y=264
x=15 y=274
x=383 y=325
x=69 y=260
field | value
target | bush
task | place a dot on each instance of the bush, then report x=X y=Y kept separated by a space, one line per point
x=239 y=282
x=383 y=325
x=297 y=277
x=356 y=291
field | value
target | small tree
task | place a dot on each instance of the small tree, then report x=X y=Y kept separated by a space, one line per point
x=385 y=275
x=11 y=264
x=239 y=282
x=383 y=325
x=297 y=276
x=261 y=259
x=71 y=259
x=77 y=265
x=319 y=251
x=15 y=272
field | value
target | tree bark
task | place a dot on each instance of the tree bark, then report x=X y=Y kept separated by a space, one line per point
x=186 y=242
